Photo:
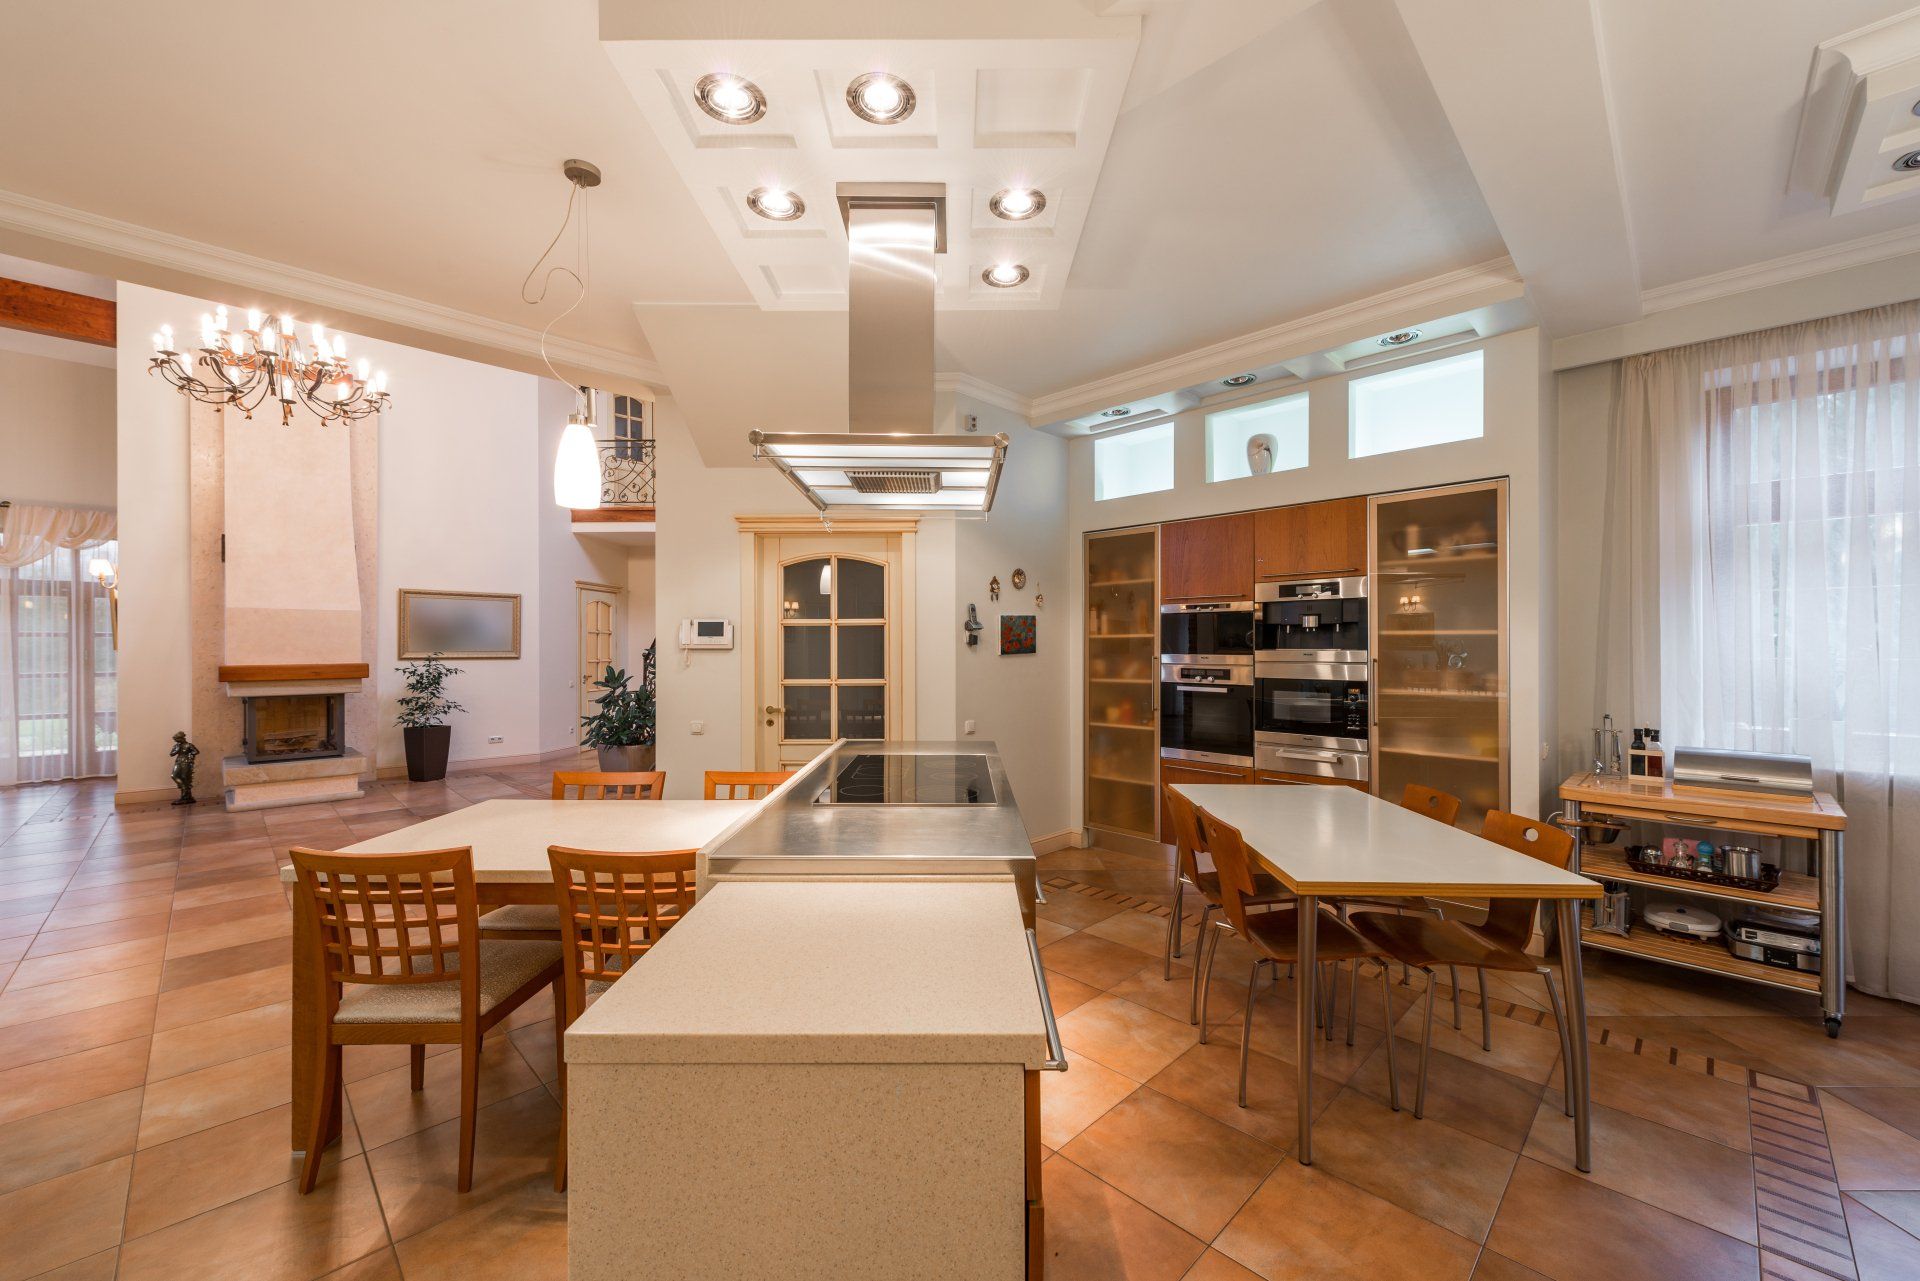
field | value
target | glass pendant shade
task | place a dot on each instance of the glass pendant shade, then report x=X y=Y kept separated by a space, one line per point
x=576 y=467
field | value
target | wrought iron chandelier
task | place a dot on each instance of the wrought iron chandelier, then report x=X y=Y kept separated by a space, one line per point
x=266 y=360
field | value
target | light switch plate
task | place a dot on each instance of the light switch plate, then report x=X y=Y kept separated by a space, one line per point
x=698 y=727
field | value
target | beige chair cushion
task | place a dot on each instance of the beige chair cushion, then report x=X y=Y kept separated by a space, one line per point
x=523 y=918
x=506 y=965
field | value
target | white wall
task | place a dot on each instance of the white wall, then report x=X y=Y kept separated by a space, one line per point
x=57 y=431
x=1514 y=446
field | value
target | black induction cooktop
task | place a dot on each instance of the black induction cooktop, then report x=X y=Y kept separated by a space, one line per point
x=935 y=778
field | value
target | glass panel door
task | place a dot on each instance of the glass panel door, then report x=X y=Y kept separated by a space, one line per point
x=833 y=649
x=1123 y=741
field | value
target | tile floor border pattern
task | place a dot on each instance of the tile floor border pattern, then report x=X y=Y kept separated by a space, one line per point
x=1802 y=1219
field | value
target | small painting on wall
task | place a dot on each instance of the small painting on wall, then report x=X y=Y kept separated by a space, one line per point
x=1018 y=634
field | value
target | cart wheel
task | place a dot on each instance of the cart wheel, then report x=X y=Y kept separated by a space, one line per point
x=1833 y=1026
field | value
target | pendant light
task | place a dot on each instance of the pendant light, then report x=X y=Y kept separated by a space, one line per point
x=576 y=463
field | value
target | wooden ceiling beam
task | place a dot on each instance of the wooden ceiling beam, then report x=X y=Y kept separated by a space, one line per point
x=39 y=309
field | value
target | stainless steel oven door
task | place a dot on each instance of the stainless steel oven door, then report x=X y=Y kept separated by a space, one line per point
x=1315 y=701
x=1311 y=621
x=1198 y=633
x=1206 y=711
x=1285 y=754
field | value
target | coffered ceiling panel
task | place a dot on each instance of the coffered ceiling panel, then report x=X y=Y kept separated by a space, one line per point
x=988 y=115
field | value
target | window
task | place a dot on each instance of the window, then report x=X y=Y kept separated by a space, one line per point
x=1417 y=406
x=833 y=648
x=1282 y=422
x=1137 y=462
x=629 y=426
x=58 y=717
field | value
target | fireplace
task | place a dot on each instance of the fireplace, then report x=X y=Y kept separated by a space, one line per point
x=293 y=727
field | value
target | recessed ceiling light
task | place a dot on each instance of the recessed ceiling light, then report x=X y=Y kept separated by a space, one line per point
x=729 y=99
x=1400 y=339
x=1005 y=275
x=1908 y=163
x=1017 y=204
x=776 y=203
x=1239 y=380
x=879 y=98
x=1118 y=411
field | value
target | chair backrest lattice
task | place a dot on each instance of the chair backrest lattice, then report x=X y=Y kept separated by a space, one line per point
x=614 y=908
x=390 y=919
x=743 y=785
x=595 y=785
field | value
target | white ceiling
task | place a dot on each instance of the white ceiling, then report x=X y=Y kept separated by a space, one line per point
x=1270 y=161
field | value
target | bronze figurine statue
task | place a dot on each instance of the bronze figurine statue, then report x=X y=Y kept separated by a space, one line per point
x=184 y=754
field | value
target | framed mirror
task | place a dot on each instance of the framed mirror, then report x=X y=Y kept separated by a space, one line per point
x=470 y=625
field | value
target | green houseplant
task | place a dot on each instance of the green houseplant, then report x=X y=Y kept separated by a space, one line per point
x=424 y=709
x=622 y=730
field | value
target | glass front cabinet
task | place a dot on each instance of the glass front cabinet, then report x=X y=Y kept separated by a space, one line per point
x=1439 y=615
x=1122 y=749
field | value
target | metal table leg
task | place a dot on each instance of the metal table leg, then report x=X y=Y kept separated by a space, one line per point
x=1306 y=992
x=1833 y=934
x=1567 y=918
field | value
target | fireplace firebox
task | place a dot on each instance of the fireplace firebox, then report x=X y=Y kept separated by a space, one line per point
x=293 y=727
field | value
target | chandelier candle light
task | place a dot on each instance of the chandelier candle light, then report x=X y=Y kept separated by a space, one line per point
x=267 y=360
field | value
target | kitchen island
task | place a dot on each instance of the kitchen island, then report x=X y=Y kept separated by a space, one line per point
x=829 y=1068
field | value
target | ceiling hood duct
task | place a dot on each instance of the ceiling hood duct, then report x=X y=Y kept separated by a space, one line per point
x=890 y=460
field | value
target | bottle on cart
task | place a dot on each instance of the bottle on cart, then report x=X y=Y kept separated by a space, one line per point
x=1637 y=754
x=1656 y=757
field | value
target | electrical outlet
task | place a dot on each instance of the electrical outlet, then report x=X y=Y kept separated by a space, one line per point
x=969 y=728
x=698 y=727
x=495 y=738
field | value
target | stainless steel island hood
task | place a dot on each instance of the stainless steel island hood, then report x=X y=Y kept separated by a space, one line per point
x=890 y=460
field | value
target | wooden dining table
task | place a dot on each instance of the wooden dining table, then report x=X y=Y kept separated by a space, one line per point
x=509 y=840
x=1337 y=842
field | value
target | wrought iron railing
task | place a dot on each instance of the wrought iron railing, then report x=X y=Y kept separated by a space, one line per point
x=626 y=472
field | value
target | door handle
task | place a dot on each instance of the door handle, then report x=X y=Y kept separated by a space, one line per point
x=1201 y=689
x=771 y=710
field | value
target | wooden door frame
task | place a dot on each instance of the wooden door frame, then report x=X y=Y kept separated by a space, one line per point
x=755 y=532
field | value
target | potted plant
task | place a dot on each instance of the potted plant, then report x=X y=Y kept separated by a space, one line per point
x=423 y=717
x=621 y=731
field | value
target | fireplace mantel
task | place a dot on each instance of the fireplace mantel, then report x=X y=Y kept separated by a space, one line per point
x=250 y=673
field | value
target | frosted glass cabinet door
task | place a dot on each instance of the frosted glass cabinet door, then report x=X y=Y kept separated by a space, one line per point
x=1439 y=613
x=1122 y=745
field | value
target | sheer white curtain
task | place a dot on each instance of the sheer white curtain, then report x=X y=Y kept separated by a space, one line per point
x=58 y=716
x=1761 y=582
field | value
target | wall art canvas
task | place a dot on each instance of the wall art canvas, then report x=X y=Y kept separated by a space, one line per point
x=1018 y=633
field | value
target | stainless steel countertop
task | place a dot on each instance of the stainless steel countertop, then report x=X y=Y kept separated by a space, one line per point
x=792 y=836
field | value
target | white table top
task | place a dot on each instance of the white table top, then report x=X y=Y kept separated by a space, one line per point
x=1324 y=840
x=881 y=971
x=510 y=838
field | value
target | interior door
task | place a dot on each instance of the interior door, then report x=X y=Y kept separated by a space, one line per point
x=599 y=619
x=830 y=644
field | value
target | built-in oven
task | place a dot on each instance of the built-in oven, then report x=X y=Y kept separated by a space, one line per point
x=1314 y=620
x=1311 y=719
x=1206 y=710
x=1193 y=633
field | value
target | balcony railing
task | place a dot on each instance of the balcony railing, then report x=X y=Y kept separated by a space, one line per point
x=626 y=472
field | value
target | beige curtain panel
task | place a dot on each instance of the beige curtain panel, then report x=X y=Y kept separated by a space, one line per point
x=29 y=532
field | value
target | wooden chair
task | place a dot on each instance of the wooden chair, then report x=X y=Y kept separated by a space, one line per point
x=1442 y=807
x=400 y=950
x=1500 y=944
x=1275 y=938
x=616 y=906
x=593 y=785
x=1189 y=844
x=538 y=920
x=743 y=785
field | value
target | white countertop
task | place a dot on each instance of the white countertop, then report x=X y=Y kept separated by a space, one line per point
x=510 y=838
x=1322 y=840
x=880 y=971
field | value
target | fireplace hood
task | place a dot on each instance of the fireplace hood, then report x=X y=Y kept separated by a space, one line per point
x=889 y=459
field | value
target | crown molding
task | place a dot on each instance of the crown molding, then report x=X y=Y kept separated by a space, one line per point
x=986 y=393
x=100 y=234
x=1779 y=271
x=1455 y=291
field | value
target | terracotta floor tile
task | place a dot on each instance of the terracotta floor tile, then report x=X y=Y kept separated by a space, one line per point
x=1881 y=1249
x=1097 y=1233
x=215 y=1167
x=520 y=1235
x=95 y=1267
x=226 y=962
x=54 y=1223
x=1129 y=1038
x=242 y=929
x=1518 y=1049
x=1426 y=1167
x=1574 y=1230
x=1274 y=1033
x=1497 y=1267
x=387 y=1108
x=95 y=890
x=69 y=918
x=1897 y=1105
x=1072 y=1100
x=212 y=1096
x=1068 y=993
x=1648 y=1087
x=127 y=929
x=1867 y=1152
x=17 y=926
x=1902 y=1209
x=535 y=1044
x=1075 y=911
x=1184 y=1166
x=210 y=1000
x=1044 y=930
x=271 y=901
x=1091 y=959
x=1466 y=1096
x=1174 y=997
x=363 y=1061
x=514 y=1147
x=1144 y=932
x=45 y=1145
x=233 y=1036
x=1304 y=1223
x=48 y=1000
x=78 y=964
x=273 y=1235
x=70 y=1033
x=1207 y=1079
x=1799 y=1048
x=200 y=898
x=72 y=1078
x=1215 y=1266
x=383 y=1265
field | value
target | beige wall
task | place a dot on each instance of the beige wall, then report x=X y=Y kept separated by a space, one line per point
x=57 y=431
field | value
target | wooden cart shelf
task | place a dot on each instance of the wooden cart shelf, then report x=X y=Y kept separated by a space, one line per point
x=1797 y=890
x=1709 y=957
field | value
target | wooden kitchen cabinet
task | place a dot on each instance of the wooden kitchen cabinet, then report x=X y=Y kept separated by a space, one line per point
x=1194 y=772
x=1311 y=539
x=1207 y=560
